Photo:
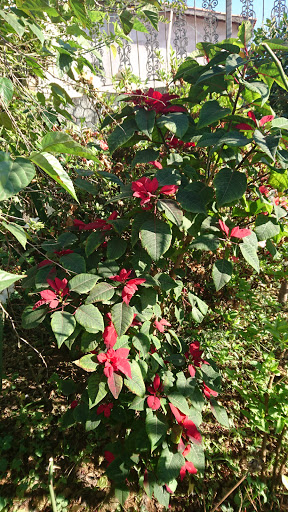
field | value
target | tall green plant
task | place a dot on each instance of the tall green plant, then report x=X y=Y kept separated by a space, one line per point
x=205 y=184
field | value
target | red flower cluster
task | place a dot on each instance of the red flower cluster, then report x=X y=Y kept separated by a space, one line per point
x=175 y=143
x=115 y=360
x=100 y=224
x=153 y=401
x=154 y=100
x=196 y=355
x=147 y=191
x=235 y=232
x=263 y=120
x=130 y=287
x=51 y=298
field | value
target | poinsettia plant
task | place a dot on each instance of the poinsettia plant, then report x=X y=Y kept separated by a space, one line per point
x=210 y=179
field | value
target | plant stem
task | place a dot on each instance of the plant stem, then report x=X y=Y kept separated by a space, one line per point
x=278 y=448
x=230 y=492
x=180 y=256
x=50 y=484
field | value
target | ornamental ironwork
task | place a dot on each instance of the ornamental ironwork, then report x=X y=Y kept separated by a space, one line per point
x=124 y=55
x=279 y=10
x=152 y=44
x=247 y=9
x=181 y=39
x=210 y=21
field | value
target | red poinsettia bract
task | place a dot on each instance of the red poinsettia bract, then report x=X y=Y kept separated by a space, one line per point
x=208 y=392
x=155 y=100
x=153 y=401
x=130 y=286
x=251 y=115
x=190 y=428
x=147 y=191
x=53 y=298
x=160 y=325
x=110 y=333
x=105 y=408
x=188 y=466
x=235 y=232
x=100 y=224
x=115 y=361
x=63 y=252
x=175 y=143
x=196 y=355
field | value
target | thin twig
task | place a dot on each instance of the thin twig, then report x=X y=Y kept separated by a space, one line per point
x=230 y=492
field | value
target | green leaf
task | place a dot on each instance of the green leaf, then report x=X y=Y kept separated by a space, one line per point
x=249 y=251
x=78 y=7
x=83 y=283
x=102 y=292
x=280 y=122
x=219 y=413
x=127 y=19
x=175 y=122
x=97 y=390
x=14 y=22
x=6 y=90
x=93 y=241
x=121 y=495
x=258 y=87
x=211 y=112
x=171 y=210
x=155 y=238
x=17 y=231
x=31 y=318
x=121 y=134
x=245 y=32
x=262 y=142
x=179 y=401
x=233 y=62
x=136 y=385
x=90 y=318
x=116 y=247
x=145 y=156
x=60 y=142
x=138 y=404
x=195 y=197
x=122 y=317
x=221 y=273
x=279 y=180
x=207 y=242
x=74 y=262
x=161 y=495
x=151 y=14
x=14 y=175
x=230 y=185
x=49 y=164
x=266 y=227
x=197 y=456
x=63 y=325
x=145 y=120
x=156 y=428
x=169 y=465
x=87 y=363
x=6 y=279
